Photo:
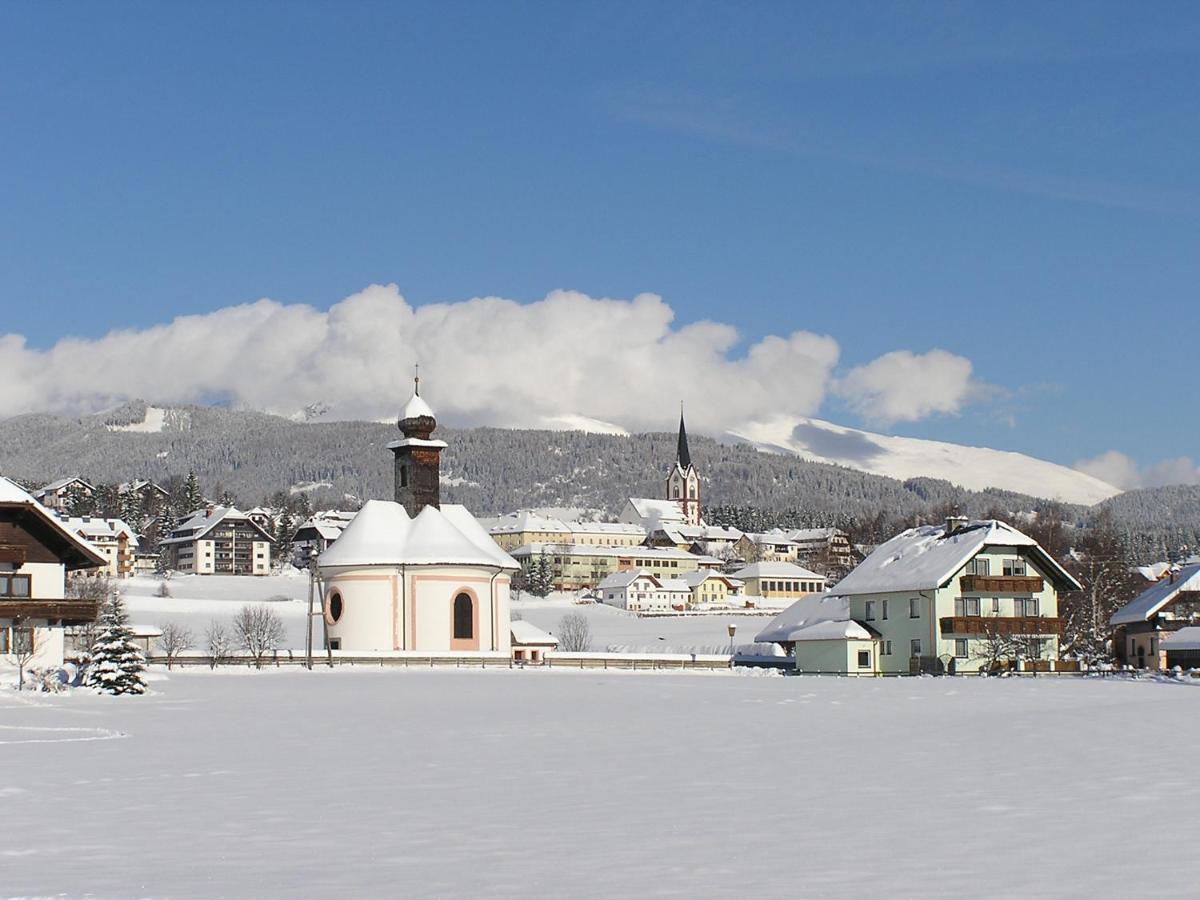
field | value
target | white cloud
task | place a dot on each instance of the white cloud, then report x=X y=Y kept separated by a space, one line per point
x=902 y=386
x=483 y=361
x=1122 y=471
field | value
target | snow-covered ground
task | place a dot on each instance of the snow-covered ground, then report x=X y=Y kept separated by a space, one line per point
x=448 y=783
x=197 y=600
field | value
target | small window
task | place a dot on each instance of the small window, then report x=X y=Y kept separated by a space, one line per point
x=884 y=609
x=960 y=648
x=335 y=606
x=972 y=605
x=914 y=647
x=870 y=610
x=335 y=643
x=404 y=476
x=864 y=659
x=1014 y=567
x=887 y=648
x=995 y=606
x=464 y=618
x=914 y=608
x=980 y=565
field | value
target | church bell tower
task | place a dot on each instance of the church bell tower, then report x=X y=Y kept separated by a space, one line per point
x=418 y=456
x=683 y=484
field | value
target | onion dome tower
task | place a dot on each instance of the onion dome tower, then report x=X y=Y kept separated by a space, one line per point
x=417 y=456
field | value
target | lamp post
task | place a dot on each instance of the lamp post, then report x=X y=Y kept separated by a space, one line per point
x=732 y=632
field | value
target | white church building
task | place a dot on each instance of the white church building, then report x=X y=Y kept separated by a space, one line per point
x=414 y=575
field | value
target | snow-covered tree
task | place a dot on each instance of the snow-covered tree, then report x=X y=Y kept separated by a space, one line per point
x=192 y=498
x=259 y=630
x=539 y=576
x=218 y=642
x=174 y=640
x=117 y=664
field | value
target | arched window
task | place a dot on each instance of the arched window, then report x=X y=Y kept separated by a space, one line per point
x=334 y=607
x=464 y=618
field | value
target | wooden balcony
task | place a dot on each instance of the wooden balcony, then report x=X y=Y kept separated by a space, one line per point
x=1000 y=584
x=1001 y=625
x=66 y=612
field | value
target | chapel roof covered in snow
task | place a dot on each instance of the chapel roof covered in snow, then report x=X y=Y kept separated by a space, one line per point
x=383 y=534
x=1146 y=605
x=926 y=558
x=76 y=552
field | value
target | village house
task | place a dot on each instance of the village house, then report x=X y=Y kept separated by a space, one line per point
x=831 y=545
x=958 y=597
x=57 y=494
x=822 y=637
x=1157 y=629
x=219 y=540
x=769 y=546
x=415 y=575
x=711 y=588
x=527 y=527
x=317 y=533
x=639 y=591
x=36 y=552
x=114 y=539
x=779 y=580
x=583 y=566
x=143 y=489
x=529 y=643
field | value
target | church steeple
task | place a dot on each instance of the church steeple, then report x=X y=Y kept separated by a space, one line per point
x=418 y=455
x=682 y=457
x=683 y=484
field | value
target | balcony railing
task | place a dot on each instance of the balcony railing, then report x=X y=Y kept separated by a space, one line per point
x=1000 y=584
x=69 y=612
x=1001 y=625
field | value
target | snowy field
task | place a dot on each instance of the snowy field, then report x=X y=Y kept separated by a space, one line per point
x=453 y=783
x=198 y=599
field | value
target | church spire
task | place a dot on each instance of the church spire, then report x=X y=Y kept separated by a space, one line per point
x=682 y=456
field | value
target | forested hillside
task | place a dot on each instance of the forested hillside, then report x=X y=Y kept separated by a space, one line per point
x=253 y=455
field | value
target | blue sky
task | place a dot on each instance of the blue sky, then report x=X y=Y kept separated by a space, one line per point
x=1012 y=183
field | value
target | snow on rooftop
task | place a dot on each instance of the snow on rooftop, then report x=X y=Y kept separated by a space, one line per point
x=11 y=492
x=526 y=633
x=776 y=570
x=383 y=534
x=795 y=622
x=417 y=407
x=925 y=558
x=1183 y=639
x=1149 y=603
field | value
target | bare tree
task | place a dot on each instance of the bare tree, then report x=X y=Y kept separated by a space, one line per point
x=89 y=587
x=174 y=640
x=219 y=642
x=997 y=648
x=163 y=590
x=22 y=649
x=574 y=633
x=259 y=630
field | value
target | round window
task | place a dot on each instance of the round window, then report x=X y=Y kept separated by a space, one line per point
x=335 y=607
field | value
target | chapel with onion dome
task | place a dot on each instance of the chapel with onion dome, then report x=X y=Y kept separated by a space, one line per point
x=414 y=575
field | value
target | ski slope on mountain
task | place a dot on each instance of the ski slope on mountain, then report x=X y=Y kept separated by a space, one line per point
x=974 y=468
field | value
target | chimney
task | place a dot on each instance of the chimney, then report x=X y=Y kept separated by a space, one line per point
x=954 y=523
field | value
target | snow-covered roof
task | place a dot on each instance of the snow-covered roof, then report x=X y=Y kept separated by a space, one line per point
x=1183 y=639
x=809 y=535
x=674 y=585
x=527 y=520
x=775 y=536
x=1146 y=605
x=525 y=634
x=925 y=558
x=96 y=528
x=12 y=494
x=540 y=548
x=60 y=484
x=202 y=521
x=417 y=407
x=777 y=570
x=649 y=508
x=1154 y=571
x=800 y=620
x=697 y=578
x=383 y=534
x=624 y=579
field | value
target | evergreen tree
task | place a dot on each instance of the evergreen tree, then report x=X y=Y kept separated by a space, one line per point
x=117 y=665
x=132 y=512
x=539 y=576
x=79 y=502
x=285 y=529
x=192 y=498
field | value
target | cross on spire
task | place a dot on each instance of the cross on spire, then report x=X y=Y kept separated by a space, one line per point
x=416 y=379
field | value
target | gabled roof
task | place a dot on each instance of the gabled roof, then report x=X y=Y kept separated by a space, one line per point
x=96 y=528
x=625 y=579
x=78 y=552
x=1146 y=605
x=202 y=521
x=777 y=570
x=382 y=534
x=649 y=508
x=60 y=484
x=1183 y=639
x=697 y=578
x=800 y=620
x=926 y=558
x=526 y=634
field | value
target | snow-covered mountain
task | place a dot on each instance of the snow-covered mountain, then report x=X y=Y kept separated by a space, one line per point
x=974 y=468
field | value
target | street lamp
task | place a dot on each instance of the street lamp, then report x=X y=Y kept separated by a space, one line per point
x=732 y=632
